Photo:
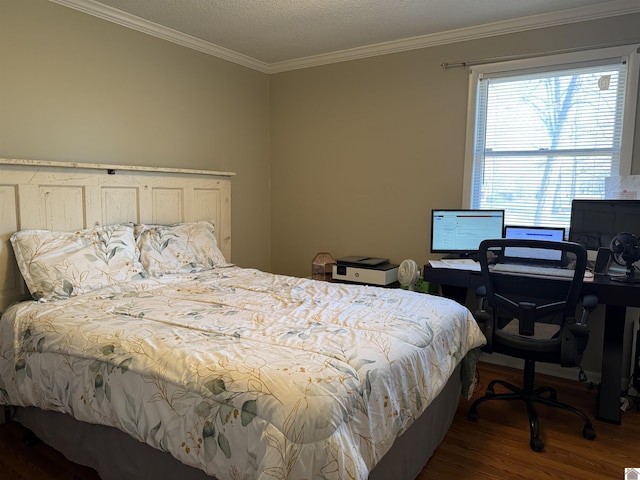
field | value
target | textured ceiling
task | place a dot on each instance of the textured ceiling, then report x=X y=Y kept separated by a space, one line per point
x=275 y=31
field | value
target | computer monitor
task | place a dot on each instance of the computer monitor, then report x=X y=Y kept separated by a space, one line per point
x=594 y=223
x=555 y=234
x=459 y=232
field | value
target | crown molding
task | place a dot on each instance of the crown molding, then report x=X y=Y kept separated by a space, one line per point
x=573 y=15
x=128 y=20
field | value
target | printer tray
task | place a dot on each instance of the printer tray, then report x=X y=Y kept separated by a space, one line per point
x=362 y=261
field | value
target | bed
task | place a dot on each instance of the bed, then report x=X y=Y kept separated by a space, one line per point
x=145 y=354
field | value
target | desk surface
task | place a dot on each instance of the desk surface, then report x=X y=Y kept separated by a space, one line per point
x=616 y=296
x=609 y=292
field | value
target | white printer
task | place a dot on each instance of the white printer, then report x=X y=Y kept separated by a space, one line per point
x=369 y=270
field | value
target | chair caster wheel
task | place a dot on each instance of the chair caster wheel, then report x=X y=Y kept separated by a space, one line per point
x=473 y=415
x=536 y=444
x=588 y=433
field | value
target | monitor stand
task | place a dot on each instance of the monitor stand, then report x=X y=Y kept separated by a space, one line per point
x=460 y=256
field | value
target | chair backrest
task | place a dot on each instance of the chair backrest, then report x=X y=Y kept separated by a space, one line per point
x=532 y=314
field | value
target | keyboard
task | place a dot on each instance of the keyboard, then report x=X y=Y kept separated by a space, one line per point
x=537 y=270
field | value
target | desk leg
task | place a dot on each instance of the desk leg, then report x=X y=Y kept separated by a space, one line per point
x=611 y=376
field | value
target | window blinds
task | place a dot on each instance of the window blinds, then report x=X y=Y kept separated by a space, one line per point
x=547 y=135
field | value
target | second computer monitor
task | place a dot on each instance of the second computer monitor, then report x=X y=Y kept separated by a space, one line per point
x=534 y=233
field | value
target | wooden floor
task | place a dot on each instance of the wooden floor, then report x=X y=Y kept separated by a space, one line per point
x=36 y=462
x=495 y=447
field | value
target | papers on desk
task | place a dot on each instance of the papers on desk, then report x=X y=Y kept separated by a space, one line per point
x=457 y=263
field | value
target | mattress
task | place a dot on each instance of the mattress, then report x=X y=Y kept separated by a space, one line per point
x=237 y=372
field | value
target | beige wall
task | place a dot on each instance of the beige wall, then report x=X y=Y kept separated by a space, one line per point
x=347 y=158
x=362 y=150
x=77 y=88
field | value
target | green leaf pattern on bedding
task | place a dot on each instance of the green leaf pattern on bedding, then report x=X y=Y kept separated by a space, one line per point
x=58 y=265
x=179 y=248
x=238 y=372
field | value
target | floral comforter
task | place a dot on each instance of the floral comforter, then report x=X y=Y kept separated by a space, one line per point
x=240 y=373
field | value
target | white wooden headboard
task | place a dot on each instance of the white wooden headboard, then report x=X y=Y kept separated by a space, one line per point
x=69 y=196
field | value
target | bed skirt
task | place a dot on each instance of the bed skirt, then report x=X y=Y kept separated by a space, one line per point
x=117 y=456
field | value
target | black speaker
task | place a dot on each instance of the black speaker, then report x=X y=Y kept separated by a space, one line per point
x=603 y=259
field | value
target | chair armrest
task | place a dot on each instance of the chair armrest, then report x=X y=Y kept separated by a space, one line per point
x=589 y=304
x=574 y=341
x=484 y=318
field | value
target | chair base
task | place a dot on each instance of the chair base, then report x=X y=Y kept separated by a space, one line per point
x=529 y=395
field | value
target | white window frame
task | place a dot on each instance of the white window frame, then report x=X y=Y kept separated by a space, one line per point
x=630 y=52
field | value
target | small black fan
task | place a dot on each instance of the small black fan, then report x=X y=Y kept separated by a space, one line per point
x=625 y=250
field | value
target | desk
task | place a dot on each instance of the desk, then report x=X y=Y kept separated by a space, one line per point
x=616 y=297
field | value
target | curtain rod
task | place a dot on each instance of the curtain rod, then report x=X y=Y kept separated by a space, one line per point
x=471 y=63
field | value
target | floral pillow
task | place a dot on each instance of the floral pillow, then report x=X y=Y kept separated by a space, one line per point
x=179 y=248
x=57 y=265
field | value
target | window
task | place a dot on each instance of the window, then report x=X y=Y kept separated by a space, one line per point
x=543 y=131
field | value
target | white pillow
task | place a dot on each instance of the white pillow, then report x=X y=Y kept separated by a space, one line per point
x=57 y=265
x=179 y=248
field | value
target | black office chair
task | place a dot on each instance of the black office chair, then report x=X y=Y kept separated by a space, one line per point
x=532 y=317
